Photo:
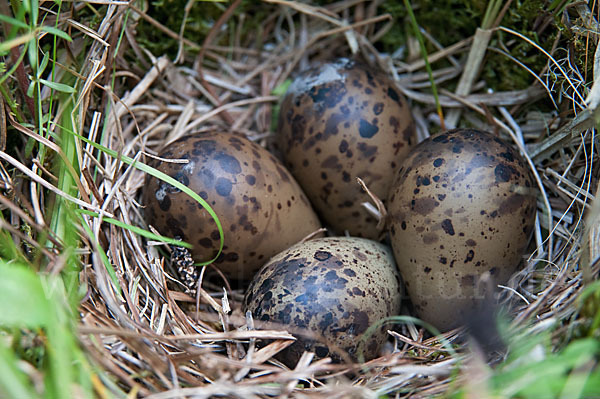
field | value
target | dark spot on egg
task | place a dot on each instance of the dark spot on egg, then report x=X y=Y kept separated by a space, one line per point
x=205 y=242
x=251 y=180
x=330 y=94
x=322 y=255
x=423 y=206
x=512 y=204
x=507 y=155
x=223 y=186
x=283 y=173
x=447 y=227
x=366 y=150
x=228 y=163
x=331 y=126
x=349 y=272
x=366 y=129
x=470 y=256
x=165 y=204
x=442 y=138
x=332 y=162
x=393 y=94
x=503 y=173
x=468 y=280
x=343 y=146
x=430 y=238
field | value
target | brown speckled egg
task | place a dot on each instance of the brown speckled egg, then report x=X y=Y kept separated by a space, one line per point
x=328 y=292
x=341 y=121
x=463 y=206
x=259 y=204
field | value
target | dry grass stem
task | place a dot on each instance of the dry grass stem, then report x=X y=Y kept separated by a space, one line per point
x=154 y=340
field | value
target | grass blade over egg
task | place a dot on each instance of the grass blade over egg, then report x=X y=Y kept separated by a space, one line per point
x=167 y=179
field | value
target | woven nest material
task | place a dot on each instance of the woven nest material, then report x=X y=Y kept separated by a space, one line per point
x=162 y=343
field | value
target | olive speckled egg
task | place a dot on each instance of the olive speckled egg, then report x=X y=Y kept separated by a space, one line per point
x=328 y=291
x=259 y=204
x=338 y=122
x=463 y=206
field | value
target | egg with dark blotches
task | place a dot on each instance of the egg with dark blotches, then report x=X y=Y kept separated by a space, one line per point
x=328 y=292
x=259 y=204
x=341 y=121
x=462 y=211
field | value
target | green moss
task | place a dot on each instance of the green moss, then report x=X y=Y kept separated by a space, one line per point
x=501 y=73
x=448 y=21
x=201 y=18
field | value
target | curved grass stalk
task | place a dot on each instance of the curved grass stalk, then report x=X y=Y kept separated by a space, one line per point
x=167 y=179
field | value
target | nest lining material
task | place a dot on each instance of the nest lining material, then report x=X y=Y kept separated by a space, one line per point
x=205 y=343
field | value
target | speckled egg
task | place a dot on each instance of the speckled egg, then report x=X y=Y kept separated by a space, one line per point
x=328 y=292
x=341 y=121
x=259 y=204
x=462 y=207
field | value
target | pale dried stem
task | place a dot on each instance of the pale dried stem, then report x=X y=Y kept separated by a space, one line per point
x=471 y=70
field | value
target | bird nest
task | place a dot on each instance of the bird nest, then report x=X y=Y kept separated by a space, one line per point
x=150 y=338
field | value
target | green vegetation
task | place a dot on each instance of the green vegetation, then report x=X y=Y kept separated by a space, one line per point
x=202 y=16
x=534 y=370
x=39 y=328
x=45 y=257
x=41 y=355
x=536 y=19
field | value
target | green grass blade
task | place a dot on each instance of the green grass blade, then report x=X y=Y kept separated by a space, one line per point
x=138 y=230
x=43 y=64
x=31 y=310
x=56 y=32
x=60 y=87
x=24 y=304
x=8 y=248
x=13 y=382
x=63 y=219
x=167 y=179
x=13 y=21
x=419 y=36
x=109 y=268
x=36 y=302
x=17 y=41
